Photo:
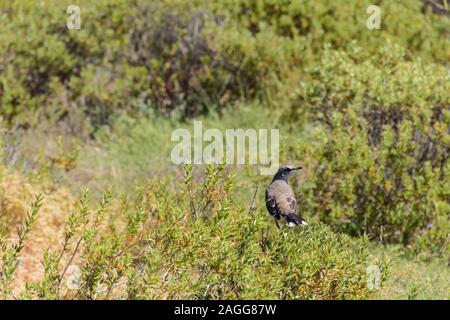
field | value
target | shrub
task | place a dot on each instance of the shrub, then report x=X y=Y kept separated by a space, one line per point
x=170 y=42
x=16 y=192
x=341 y=24
x=272 y=43
x=381 y=164
x=192 y=243
x=135 y=56
x=40 y=55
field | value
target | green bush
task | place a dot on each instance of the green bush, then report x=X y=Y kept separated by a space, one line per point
x=132 y=56
x=271 y=42
x=341 y=24
x=40 y=56
x=191 y=243
x=381 y=162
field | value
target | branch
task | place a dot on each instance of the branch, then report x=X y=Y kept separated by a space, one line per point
x=251 y=208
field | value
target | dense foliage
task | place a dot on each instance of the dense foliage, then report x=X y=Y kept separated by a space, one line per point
x=382 y=160
x=133 y=56
x=188 y=243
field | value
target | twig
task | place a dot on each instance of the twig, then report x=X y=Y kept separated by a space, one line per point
x=67 y=266
x=251 y=209
x=438 y=8
x=109 y=289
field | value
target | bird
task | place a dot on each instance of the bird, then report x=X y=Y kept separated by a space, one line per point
x=280 y=199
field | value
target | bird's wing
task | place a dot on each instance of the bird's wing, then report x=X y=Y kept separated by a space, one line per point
x=285 y=201
x=280 y=199
x=271 y=204
x=285 y=205
x=292 y=203
x=281 y=203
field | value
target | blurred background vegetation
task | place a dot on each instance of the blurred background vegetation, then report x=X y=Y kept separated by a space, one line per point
x=366 y=112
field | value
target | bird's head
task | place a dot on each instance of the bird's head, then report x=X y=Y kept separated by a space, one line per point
x=285 y=172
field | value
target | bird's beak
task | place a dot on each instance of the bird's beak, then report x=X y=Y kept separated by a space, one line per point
x=298 y=168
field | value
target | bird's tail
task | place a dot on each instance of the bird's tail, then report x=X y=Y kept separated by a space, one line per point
x=293 y=220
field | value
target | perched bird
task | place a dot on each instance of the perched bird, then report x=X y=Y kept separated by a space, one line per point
x=280 y=200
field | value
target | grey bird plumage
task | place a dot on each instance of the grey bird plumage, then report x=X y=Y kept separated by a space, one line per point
x=280 y=199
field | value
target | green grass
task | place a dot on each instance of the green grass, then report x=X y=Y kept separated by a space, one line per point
x=134 y=150
x=412 y=276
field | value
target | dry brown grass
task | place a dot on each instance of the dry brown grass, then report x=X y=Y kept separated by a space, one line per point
x=16 y=194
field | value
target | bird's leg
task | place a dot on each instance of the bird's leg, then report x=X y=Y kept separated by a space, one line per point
x=276 y=222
